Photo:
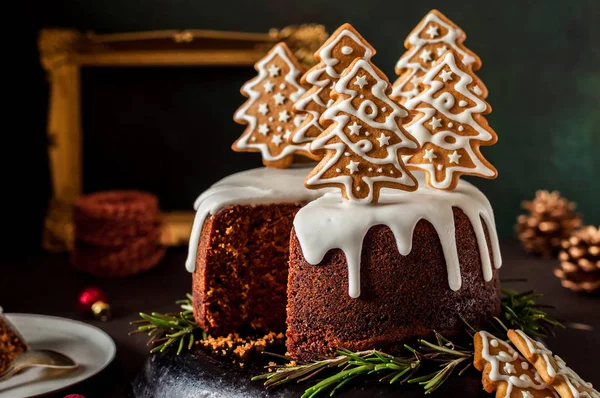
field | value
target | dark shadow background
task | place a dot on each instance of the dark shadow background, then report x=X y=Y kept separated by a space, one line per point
x=169 y=130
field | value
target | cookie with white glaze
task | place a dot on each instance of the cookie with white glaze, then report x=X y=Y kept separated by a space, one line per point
x=269 y=111
x=552 y=368
x=363 y=146
x=334 y=56
x=505 y=371
x=426 y=43
x=450 y=125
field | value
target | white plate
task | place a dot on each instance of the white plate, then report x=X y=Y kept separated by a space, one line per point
x=88 y=346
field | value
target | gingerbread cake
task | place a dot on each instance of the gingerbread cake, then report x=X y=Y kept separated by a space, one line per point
x=355 y=252
x=11 y=343
x=426 y=259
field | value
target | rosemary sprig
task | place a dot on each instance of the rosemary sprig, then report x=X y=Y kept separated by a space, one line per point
x=519 y=310
x=349 y=365
x=169 y=329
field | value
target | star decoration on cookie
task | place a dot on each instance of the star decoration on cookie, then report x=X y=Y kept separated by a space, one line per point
x=454 y=157
x=435 y=123
x=432 y=31
x=426 y=55
x=429 y=155
x=354 y=129
x=274 y=70
x=361 y=81
x=353 y=166
x=383 y=140
x=263 y=129
x=263 y=109
x=268 y=86
x=279 y=98
x=446 y=75
x=277 y=139
x=284 y=116
x=441 y=50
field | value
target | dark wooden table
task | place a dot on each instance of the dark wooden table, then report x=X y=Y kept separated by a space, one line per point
x=45 y=284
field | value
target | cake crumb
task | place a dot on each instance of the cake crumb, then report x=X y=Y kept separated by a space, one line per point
x=241 y=348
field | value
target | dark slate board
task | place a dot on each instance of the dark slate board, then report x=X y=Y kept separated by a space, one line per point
x=197 y=375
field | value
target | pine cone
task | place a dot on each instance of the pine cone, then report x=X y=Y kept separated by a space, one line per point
x=580 y=260
x=551 y=219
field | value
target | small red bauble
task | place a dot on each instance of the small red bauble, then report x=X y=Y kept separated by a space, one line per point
x=92 y=301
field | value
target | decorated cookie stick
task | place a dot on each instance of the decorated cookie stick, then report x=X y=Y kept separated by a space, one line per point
x=335 y=55
x=364 y=142
x=507 y=372
x=269 y=112
x=553 y=370
x=427 y=42
x=450 y=125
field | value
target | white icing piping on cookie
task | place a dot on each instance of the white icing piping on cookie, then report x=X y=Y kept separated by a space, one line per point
x=253 y=95
x=334 y=223
x=330 y=62
x=508 y=356
x=404 y=62
x=574 y=381
x=417 y=42
x=537 y=348
x=251 y=187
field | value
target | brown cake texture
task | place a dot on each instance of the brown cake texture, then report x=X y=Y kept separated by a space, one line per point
x=241 y=273
x=402 y=297
x=11 y=344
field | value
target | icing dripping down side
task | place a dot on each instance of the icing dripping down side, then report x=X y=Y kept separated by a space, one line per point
x=251 y=187
x=333 y=223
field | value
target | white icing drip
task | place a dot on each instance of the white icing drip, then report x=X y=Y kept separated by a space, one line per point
x=442 y=103
x=499 y=362
x=253 y=95
x=331 y=222
x=251 y=187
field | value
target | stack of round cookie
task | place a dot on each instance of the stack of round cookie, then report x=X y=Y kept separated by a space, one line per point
x=117 y=233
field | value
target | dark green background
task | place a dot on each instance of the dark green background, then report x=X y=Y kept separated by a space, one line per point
x=541 y=64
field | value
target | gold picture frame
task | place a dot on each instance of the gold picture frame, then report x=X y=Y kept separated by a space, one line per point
x=64 y=51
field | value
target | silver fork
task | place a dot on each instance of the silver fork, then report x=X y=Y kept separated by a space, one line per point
x=38 y=358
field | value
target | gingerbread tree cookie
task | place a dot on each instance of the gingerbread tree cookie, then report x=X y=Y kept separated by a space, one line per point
x=363 y=144
x=450 y=125
x=269 y=112
x=427 y=42
x=505 y=371
x=553 y=370
x=335 y=55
